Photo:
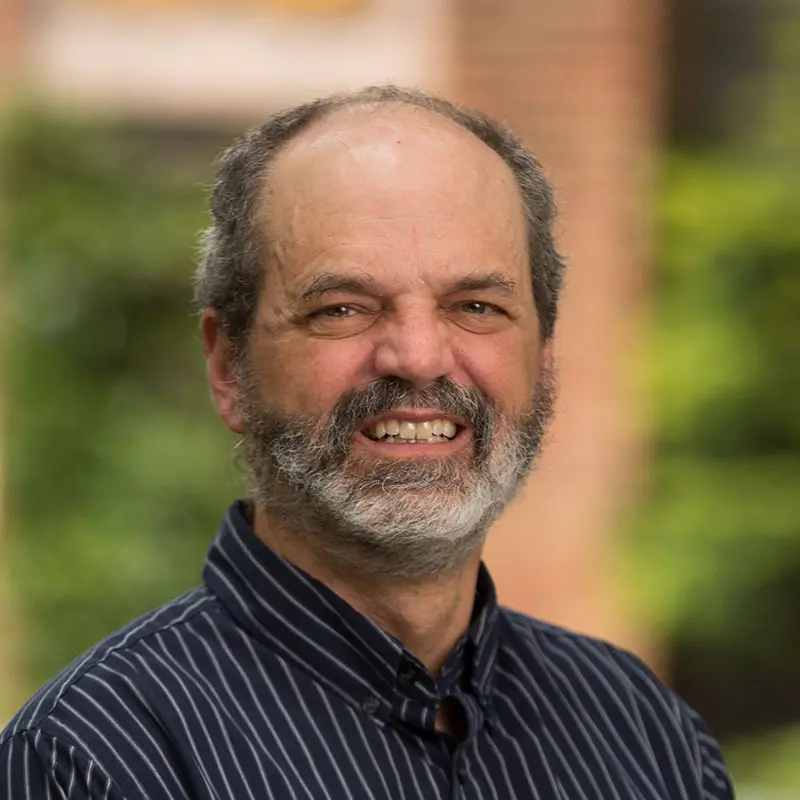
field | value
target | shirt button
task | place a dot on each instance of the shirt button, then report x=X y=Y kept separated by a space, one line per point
x=462 y=770
x=406 y=676
x=371 y=704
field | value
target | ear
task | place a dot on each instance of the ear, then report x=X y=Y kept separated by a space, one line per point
x=221 y=373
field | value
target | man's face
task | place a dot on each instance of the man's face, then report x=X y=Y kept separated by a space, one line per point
x=392 y=394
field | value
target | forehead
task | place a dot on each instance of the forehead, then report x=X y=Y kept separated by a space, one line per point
x=393 y=179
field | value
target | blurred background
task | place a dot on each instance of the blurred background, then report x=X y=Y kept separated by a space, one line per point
x=665 y=515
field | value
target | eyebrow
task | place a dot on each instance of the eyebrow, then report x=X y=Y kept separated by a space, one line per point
x=330 y=282
x=482 y=281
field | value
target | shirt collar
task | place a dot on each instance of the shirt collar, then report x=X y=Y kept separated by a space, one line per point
x=304 y=622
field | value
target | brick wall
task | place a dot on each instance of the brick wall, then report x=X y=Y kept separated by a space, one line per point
x=579 y=80
x=11 y=20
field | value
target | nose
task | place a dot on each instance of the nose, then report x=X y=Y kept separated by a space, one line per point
x=415 y=346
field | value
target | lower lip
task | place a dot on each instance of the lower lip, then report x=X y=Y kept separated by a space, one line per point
x=409 y=450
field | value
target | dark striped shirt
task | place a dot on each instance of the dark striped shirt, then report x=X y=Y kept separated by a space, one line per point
x=265 y=684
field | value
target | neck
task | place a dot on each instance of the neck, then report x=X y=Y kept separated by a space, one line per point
x=428 y=617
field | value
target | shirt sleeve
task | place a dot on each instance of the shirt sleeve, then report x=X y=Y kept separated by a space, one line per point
x=37 y=766
x=714 y=775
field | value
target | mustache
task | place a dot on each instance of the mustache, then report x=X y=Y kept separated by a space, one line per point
x=385 y=395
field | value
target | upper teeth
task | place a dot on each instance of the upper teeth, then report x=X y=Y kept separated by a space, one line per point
x=404 y=429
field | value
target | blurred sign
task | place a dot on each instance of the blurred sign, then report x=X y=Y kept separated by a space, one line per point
x=228 y=59
x=285 y=6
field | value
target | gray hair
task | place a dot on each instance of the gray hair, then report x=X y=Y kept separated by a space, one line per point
x=230 y=274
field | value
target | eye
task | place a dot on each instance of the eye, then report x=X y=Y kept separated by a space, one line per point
x=478 y=308
x=342 y=319
x=335 y=312
x=478 y=316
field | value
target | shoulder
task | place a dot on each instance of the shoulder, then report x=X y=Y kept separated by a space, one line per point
x=102 y=663
x=103 y=710
x=34 y=764
x=585 y=659
x=616 y=693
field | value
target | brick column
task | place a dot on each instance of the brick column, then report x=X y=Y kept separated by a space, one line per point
x=11 y=27
x=578 y=80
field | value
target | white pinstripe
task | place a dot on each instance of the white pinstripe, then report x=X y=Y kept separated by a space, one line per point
x=315 y=728
x=585 y=725
x=198 y=679
x=132 y=687
x=53 y=763
x=85 y=747
x=131 y=741
x=282 y=648
x=81 y=664
x=243 y=714
x=282 y=708
x=556 y=749
x=487 y=776
x=342 y=738
x=312 y=618
x=504 y=769
x=358 y=726
x=201 y=721
x=385 y=742
x=611 y=730
x=542 y=698
x=186 y=728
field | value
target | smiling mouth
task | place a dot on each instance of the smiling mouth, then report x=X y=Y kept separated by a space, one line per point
x=403 y=431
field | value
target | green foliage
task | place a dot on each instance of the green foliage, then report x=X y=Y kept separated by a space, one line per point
x=116 y=464
x=715 y=551
x=722 y=521
x=770 y=760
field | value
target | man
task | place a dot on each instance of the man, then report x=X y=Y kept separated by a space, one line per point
x=378 y=294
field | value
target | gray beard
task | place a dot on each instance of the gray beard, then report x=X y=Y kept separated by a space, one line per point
x=412 y=519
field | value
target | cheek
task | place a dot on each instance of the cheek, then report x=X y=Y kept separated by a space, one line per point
x=311 y=378
x=504 y=368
